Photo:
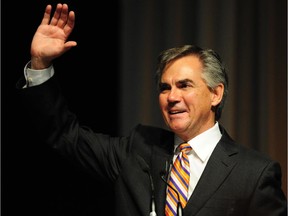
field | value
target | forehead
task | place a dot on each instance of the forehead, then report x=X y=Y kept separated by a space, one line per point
x=185 y=67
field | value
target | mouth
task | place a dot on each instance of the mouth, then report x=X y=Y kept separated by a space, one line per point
x=174 y=112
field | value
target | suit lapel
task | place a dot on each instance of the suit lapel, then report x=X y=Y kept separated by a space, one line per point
x=217 y=169
x=161 y=157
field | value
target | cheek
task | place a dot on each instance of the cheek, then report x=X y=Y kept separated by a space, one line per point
x=191 y=97
x=162 y=101
x=196 y=100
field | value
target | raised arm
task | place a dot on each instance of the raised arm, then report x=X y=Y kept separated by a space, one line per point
x=50 y=38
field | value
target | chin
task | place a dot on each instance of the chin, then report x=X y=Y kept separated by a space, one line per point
x=176 y=128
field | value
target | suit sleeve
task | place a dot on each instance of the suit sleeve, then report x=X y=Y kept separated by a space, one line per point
x=268 y=198
x=99 y=154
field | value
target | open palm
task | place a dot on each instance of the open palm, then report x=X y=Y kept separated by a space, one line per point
x=50 y=39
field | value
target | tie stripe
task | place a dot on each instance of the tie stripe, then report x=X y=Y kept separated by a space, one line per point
x=179 y=180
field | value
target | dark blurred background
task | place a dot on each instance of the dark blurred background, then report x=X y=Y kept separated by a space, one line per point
x=109 y=83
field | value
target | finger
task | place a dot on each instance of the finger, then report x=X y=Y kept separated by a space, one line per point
x=70 y=23
x=63 y=17
x=69 y=44
x=57 y=14
x=47 y=13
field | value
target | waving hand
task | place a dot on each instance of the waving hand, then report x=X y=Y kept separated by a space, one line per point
x=50 y=38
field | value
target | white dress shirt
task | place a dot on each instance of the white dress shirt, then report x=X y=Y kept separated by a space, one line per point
x=202 y=147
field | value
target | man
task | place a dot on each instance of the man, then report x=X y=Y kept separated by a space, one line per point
x=221 y=176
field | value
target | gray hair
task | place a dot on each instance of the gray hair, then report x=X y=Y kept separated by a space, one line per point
x=213 y=74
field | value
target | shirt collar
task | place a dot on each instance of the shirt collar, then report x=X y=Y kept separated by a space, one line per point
x=204 y=143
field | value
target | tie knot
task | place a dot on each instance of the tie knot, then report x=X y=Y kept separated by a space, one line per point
x=185 y=147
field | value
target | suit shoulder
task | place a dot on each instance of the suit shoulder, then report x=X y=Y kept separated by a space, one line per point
x=233 y=147
x=151 y=130
x=152 y=135
x=246 y=156
x=254 y=154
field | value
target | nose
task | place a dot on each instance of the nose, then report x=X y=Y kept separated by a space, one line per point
x=174 y=95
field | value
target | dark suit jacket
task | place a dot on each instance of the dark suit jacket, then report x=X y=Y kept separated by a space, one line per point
x=236 y=180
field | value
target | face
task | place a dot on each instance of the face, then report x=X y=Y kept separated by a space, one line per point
x=185 y=100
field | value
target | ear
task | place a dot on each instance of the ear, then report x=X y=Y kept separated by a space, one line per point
x=217 y=95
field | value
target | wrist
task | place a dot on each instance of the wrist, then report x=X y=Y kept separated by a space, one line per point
x=39 y=64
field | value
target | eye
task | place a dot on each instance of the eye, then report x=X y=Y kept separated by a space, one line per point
x=184 y=84
x=164 y=87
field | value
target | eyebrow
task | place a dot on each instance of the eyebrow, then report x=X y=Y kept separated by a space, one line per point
x=181 y=81
x=185 y=81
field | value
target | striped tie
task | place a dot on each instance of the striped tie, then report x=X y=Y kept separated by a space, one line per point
x=179 y=180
